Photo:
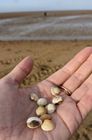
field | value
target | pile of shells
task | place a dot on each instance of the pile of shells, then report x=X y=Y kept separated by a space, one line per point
x=44 y=110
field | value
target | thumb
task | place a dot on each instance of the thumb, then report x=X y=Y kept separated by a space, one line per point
x=19 y=73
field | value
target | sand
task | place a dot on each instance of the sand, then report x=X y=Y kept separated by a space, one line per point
x=48 y=56
x=69 y=27
x=41 y=13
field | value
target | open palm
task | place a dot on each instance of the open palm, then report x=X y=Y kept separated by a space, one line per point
x=16 y=107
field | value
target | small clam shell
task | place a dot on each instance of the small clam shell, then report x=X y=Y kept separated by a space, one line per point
x=41 y=110
x=55 y=90
x=51 y=108
x=47 y=125
x=57 y=100
x=42 y=101
x=34 y=96
x=45 y=116
x=33 y=122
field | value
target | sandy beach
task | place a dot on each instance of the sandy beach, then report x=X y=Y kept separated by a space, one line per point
x=48 y=56
x=18 y=39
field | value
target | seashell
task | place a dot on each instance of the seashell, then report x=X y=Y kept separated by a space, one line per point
x=34 y=96
x=42 y=101
x=41 y=110
x=47 y=125
x=57 y=100
x=45 y=116
x=33 y=122
x=51 y=108
x=55 y=90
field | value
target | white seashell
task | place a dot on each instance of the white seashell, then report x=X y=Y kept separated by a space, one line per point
x=42 y=101
x=50 y=108
x=55 y=90
x=34 y=96
x=33 y=122
x=57 y=100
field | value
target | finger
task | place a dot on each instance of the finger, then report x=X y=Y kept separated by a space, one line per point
x=80 y=75
x=85 y=104
x=83 y=89
x=84 y=96
x=21 y=70
x=70 y=114
x=63 y=74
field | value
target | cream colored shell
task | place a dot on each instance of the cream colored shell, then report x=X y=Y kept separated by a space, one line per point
x=41 y=110
x=34 y=96
x=55 y=90
x=45 y=116
x=42 y=101
x=47 y=125
x=50 y=108
x=57 y=100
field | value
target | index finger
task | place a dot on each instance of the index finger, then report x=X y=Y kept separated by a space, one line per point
x=64 y=73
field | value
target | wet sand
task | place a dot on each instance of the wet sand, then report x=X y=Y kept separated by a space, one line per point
x=69 y=27
x=48 y=57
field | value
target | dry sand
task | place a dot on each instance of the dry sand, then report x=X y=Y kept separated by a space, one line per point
x=48 y=57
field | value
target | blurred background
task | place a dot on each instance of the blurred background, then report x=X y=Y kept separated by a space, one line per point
x=51 y=32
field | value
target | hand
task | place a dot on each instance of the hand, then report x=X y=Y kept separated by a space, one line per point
x=15 y=106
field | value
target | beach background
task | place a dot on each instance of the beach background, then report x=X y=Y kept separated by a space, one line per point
x=51 y=40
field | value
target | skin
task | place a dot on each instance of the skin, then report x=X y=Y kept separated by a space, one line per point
x=15 y=106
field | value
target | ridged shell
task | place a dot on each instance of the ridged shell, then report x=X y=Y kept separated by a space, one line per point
x=45 y=116
x=55 y=90
x=47 y=125
x=57 y=100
